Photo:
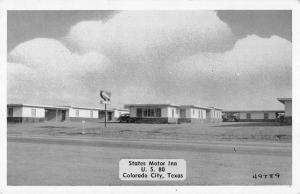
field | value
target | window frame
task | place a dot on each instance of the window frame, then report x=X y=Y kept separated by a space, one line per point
x=156 y=111
x=248 y=115
x=139 y=113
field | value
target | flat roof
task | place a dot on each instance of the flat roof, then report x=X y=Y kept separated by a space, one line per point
x=38 y=106
x=283 y=100
x=215 y=108
x=194 y=106
x=238 y=111
x=139 y=105
x=89 y=108
x=121 y=109
x=57 y=107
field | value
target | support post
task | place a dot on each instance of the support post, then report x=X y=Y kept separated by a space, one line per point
x=105 y=116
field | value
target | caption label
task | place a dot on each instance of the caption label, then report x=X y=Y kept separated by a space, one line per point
x=152 y=169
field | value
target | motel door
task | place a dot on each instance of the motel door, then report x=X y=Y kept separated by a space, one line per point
x=182 y=113
x=109 y=116
x=63 y=115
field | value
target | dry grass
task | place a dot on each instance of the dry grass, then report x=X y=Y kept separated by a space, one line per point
x=257 y=132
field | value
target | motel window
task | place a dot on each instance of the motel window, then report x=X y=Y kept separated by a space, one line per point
x=266 y=116
x=91 y=114
x=193 y=111
x=151 y=112
x=248 y=116
x=148 y=112
x=10 y=112
x=139 y=112
x=33 y=112
x=177 y=111
x=158 y=112
x=77 y=113
x=145 y=113
x=172 y=112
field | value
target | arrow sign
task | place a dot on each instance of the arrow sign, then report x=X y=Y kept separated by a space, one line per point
x=106 y=100
x=105 y=95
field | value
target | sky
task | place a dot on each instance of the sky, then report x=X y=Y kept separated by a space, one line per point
x=234 y=60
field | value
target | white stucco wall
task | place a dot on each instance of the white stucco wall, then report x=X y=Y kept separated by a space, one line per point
x=214 y=114
x=218 y=114
x=176 y=113
x=26 y=112
x=164 y=112
x=195 y=113
x=258 y=115
x=83 y=113
x=288 y=108
x=203 y=114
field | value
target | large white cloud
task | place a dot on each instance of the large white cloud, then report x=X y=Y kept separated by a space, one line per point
x=183 y=57
x=45 y=71
x=146 y=35
x=251 y=56
x=253 y=74
x=49 y=55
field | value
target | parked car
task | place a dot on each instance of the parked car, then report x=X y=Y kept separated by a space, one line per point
x=231 y=118
x=280 y=118
x=125 y=118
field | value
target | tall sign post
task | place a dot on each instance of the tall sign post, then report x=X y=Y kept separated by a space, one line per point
x=105 y=96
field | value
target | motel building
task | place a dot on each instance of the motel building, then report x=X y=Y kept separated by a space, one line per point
x=154 y=113
x=171 y=113
x=22 y=113
x=287 y=109
x=198 y=114
x=214 y=114
x=252 y=115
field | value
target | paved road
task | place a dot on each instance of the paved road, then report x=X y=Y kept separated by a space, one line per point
x=283 y=149
x=42 y=160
